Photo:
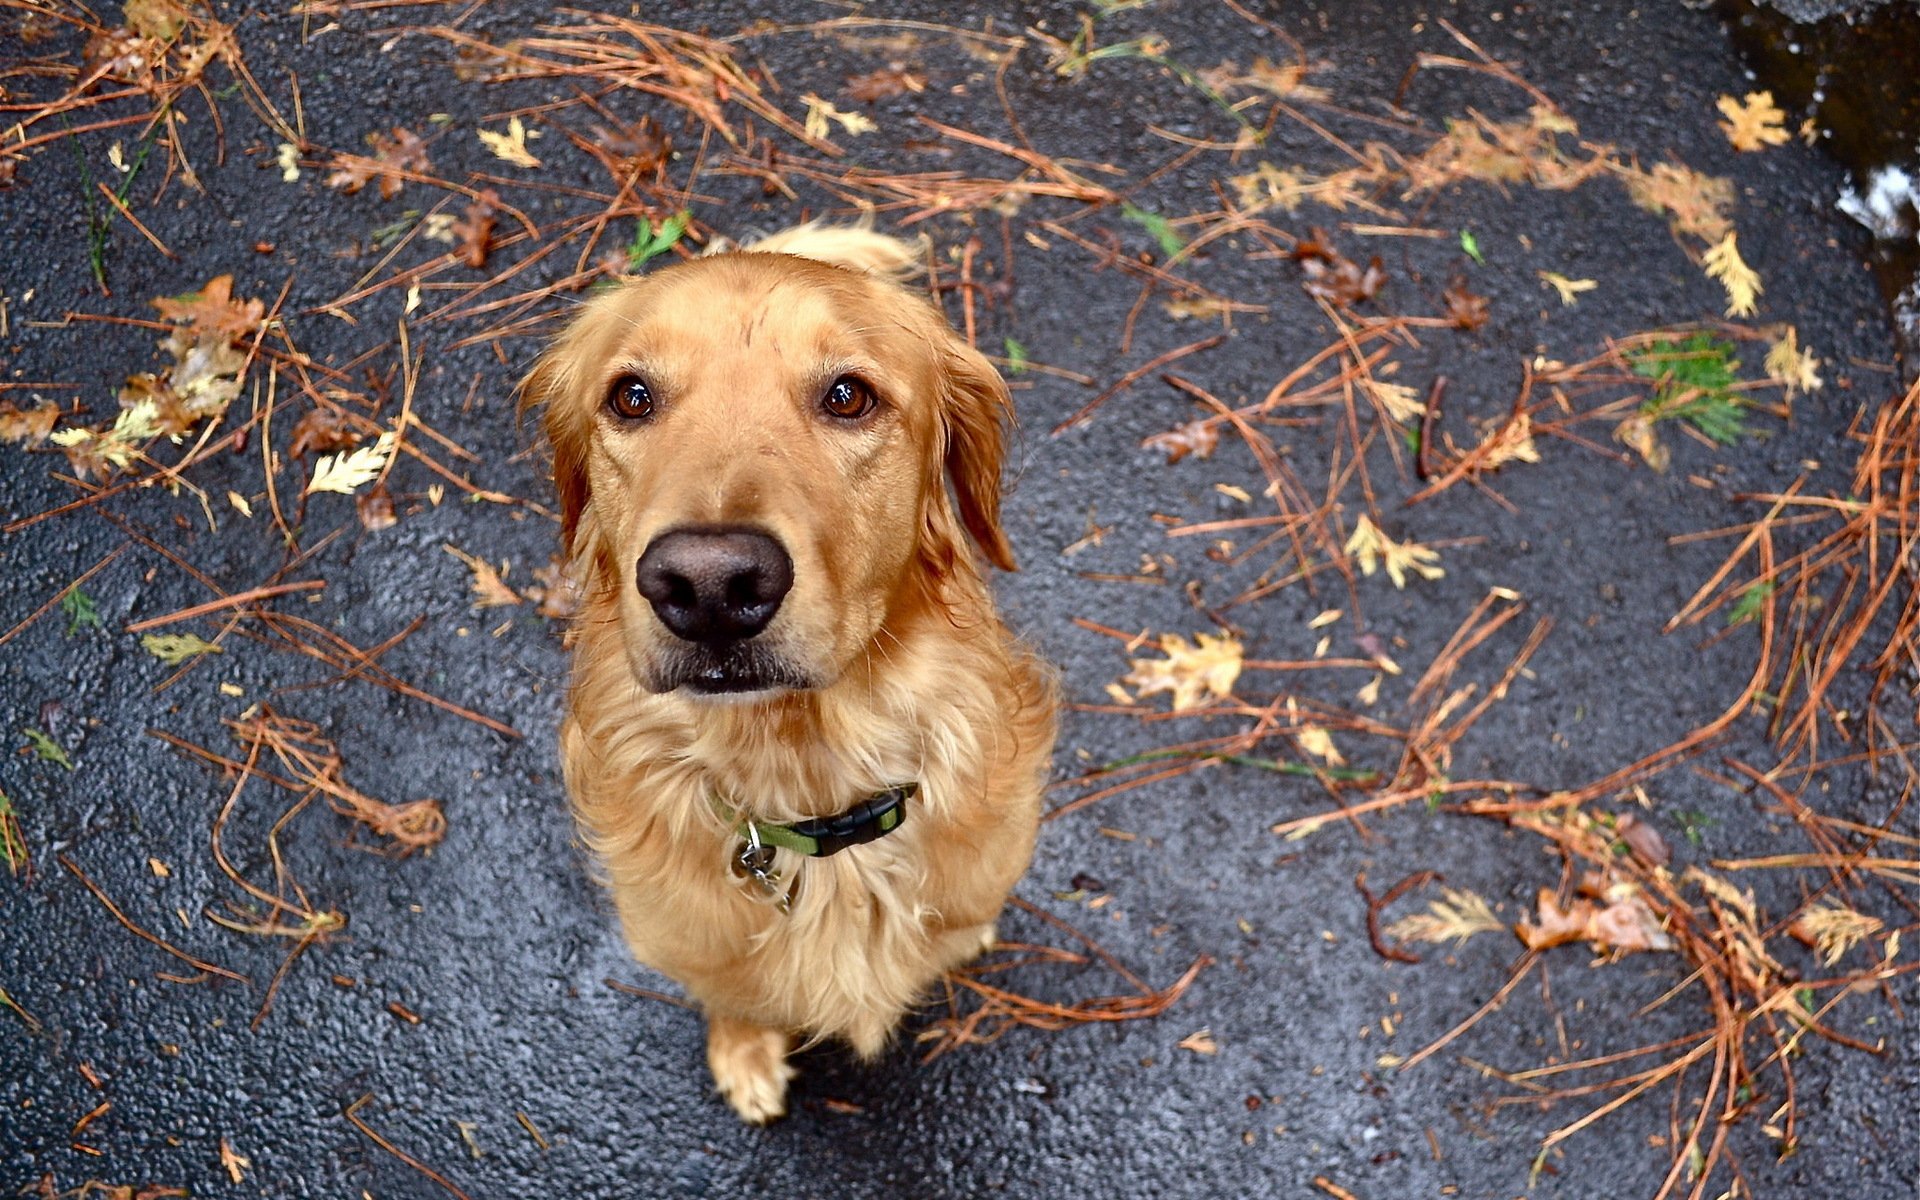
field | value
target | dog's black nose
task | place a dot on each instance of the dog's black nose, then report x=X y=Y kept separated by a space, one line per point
x=716 y=584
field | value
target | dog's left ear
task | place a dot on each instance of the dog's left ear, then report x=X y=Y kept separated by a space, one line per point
x=975 y=414
x=546 y=387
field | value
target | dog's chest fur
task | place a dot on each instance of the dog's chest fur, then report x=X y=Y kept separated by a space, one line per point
x=864 y=936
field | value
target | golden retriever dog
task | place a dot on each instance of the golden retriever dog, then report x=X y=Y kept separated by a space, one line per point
x=804 y=749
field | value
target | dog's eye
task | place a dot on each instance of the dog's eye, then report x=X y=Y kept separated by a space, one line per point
x=848 y=398
x=630 y=398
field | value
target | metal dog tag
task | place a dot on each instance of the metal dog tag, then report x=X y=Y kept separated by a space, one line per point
x=756 y=859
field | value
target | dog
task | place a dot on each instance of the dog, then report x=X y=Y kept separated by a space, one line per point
x=803 y=748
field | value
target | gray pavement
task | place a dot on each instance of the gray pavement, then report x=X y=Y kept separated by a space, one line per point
x=499 y=944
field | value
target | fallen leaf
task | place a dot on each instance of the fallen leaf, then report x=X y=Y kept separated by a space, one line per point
x=643 y=144
x=321 y=431
x=1200 y=1041
x=819 y=113
x=1637 y=432
x=1788 y=364
x=1508 y=440
x=1372 y=547
x=394 y=156
x=176 y=648
x=1333 y=277
x=1187 y=308
x=235 y=1163
x=1466 y=310
x=213 y=309
x=343 y=473
x=375 y=510
x=1644 y=840
x=1722 y=262
x=1198 y=437
x=1400 y=402
x=1459 y=915
x=1695 y=204
x=1753 y=123
x=885 y=83
x=161 y=20
x=1569 y=289
x=46 y=749
x=100 y=452
x=489 y=591
x=475 y=230
x=1832 y=929
x=511 y=146
x=1192 y=672
x=1287 y=81
x=554 y=592
x=120 y=54
x=29 y=427
x=1624 y=922
x=1318 y=742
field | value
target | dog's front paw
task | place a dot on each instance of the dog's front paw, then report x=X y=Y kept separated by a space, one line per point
x=749 y=1064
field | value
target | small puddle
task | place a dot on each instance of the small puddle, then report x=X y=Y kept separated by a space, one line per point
x=1858 y=80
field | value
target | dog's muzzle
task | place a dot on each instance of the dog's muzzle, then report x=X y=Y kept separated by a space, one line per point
x=716 y=588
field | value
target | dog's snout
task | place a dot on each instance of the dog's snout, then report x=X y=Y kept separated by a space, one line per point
x=715 y=585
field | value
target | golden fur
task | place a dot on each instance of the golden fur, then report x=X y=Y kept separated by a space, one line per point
x=905 y=672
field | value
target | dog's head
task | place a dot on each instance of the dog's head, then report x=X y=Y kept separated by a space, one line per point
x=753 y=453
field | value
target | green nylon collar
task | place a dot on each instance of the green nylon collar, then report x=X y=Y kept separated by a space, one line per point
x=871 y=819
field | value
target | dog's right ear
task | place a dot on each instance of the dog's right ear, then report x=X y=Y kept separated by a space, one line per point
x=552 y=385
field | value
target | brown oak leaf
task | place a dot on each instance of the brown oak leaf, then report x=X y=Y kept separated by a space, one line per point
x=475 y=230
x=1466 y=310
x=402 y=151
x=1332 y=276
x=213 y=309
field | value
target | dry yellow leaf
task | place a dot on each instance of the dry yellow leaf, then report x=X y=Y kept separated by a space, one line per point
x=489 y=591
x=511 y=146
x=1318 y=742
x=343 y=473
x=1206 y=668
x=1754 y=123
x=1695 y=203
x=1399 y=401
x=1569 y=289
x=1723 y=262
x=1200 y=1041
x=1637 y=431
x=819 y=113
x=1509 y=441
x=1455 y=918
x=1833 y=929
x=1788 y=364
x=1373 y=547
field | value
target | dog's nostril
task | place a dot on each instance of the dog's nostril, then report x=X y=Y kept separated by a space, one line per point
x=715 y=584
x=743 y=590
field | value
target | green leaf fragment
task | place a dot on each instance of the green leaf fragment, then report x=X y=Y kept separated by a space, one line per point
x=46 y=749
x=1162 y=230
x=176 y=648
x=650 y=243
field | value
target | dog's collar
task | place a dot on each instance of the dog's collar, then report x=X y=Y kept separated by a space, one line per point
x=871 y=819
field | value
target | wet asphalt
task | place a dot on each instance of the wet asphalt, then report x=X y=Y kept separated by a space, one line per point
x=497 y=941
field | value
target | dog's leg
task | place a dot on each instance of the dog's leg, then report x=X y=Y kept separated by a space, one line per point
x=958 y=947
x=749 y=1063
